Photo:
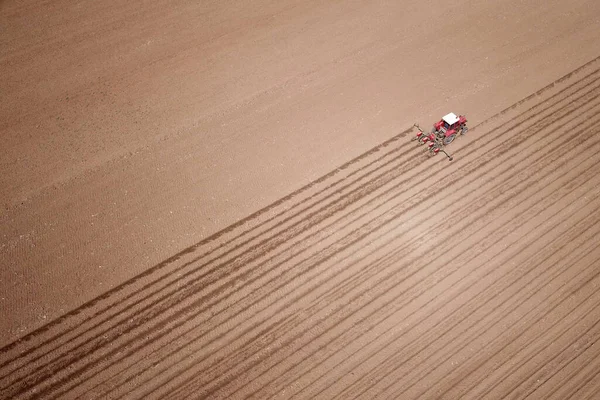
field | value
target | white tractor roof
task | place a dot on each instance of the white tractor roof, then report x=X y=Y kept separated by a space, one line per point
x=450 y=118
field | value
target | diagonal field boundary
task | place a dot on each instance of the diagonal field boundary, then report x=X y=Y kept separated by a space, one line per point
x=377 y=185
x=267 y=209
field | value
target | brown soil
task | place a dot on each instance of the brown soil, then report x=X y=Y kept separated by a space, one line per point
x=223 y=201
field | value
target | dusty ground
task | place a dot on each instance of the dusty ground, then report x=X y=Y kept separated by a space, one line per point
x=223 y=201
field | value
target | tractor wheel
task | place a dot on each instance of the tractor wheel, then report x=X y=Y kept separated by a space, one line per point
x=464 y=130
x=449 y=139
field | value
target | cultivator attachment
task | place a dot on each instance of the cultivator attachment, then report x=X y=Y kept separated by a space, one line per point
x=443 y=133
x=434 y=143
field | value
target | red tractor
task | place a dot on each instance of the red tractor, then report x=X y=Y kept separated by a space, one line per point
x=443 y=133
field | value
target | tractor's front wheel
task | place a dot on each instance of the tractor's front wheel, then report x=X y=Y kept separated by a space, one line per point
x=464 y=130
x=449 y=139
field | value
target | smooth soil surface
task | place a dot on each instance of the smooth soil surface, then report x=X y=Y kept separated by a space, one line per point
x=222 y=199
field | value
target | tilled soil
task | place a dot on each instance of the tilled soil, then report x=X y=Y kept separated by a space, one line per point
x=135 y=262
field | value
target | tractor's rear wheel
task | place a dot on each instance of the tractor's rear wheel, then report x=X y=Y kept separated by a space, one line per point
x=449 y=139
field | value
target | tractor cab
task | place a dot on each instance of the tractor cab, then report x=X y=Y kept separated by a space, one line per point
x=448 y=122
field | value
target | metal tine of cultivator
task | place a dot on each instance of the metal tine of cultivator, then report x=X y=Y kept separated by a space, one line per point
x=437 y=150
x=420 y=134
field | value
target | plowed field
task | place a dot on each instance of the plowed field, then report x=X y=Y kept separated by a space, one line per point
x=361 y=270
